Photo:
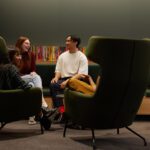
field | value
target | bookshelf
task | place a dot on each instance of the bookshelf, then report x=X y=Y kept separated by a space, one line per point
x=49 y=54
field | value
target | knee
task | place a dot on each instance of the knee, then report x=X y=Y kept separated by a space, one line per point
x=54 y=86
x=37 y=76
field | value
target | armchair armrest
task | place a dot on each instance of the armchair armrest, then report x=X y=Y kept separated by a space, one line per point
x=78 y=105
x=18 y=104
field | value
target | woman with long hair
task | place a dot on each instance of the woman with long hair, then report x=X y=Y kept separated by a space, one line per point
x=27 y=67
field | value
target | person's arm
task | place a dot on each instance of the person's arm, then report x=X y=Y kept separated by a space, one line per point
x=79 y=76
x=56 y=78
x=76 y=76
x=91 y=82
x=57 y=71
x=83 y=67
x=64 y=84
x=98 y=80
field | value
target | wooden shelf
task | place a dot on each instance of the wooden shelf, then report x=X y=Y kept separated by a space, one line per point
x=45 y=62
x=145 y=106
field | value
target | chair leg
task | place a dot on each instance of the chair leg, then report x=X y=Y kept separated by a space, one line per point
x=65 y=128
x=93 y=139
x=117 y=130
x=2 y=125
x=40 y=115
x=145 y=143
x=42 y=128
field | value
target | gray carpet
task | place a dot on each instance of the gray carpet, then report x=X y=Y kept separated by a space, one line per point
x=21 y=136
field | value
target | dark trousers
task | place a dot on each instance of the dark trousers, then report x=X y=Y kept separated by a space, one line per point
x=55 y=91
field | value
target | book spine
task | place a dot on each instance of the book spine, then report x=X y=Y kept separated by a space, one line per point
x=48 y=53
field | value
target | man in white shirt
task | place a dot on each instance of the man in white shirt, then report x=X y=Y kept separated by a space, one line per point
x=69 y=63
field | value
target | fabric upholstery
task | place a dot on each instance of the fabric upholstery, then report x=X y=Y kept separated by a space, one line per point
x=125 y=66
x=19 y=104
x=3 y=51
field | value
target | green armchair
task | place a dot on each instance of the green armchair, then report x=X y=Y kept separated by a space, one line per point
x=19 y=104
x=125 y=66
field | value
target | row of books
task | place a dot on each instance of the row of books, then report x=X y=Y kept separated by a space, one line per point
x=49 y=53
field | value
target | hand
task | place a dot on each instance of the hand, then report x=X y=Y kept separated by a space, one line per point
x=64 y=84
x=54 y=80
x=33 y=73
x=87 y=78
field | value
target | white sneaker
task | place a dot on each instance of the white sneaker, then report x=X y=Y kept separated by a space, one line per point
x=32 y=120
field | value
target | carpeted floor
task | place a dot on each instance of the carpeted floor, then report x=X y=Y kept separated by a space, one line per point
x=21 y=136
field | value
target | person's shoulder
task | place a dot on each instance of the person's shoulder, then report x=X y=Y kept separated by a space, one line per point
x=63 y=54
x=81 y=54
x=11 y=67
x=8 y=67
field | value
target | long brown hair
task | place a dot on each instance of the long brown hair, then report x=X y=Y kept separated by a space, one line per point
x=20 y=41
x=26 y=55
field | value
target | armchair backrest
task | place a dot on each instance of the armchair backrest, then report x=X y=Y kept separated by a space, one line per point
x=125 y=66
x=3 y=51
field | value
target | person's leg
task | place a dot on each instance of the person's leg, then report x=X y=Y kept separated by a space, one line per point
x=55 y=90
x=28 y=79
x=36 y=79
x=37 y=82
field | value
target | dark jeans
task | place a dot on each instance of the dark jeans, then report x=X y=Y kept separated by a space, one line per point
x=55 y=91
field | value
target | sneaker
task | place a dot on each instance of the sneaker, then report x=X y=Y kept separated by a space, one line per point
x=32 y=120
x=54 y=115
x=47 y=111
x=50 y=113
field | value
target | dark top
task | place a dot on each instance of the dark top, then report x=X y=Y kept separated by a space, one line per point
x=10 y=78
x=28 y=63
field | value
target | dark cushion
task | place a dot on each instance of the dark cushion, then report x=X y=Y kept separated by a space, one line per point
x=46 y=72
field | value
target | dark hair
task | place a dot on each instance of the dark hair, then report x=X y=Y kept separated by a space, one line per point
x=12 y=53
x=75 y=39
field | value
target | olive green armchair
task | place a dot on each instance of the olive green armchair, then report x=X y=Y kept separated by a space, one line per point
x=125 y=66
x=19 y=104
